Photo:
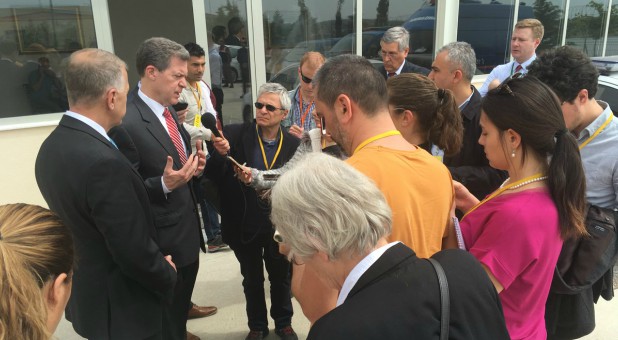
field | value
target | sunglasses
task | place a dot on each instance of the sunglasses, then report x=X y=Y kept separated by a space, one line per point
x=504 y=88
x=269 y=107
x=304 y=78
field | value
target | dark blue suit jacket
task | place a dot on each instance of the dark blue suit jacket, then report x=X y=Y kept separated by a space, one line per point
x=121 y=278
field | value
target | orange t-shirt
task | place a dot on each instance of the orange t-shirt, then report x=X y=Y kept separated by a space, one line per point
x=419 y=190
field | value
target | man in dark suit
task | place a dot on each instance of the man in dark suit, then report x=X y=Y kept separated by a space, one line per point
x=395 y=45
x=245 y=224
x=334 y=219
x=161 y=151
x=453 y=69
x=122 y=277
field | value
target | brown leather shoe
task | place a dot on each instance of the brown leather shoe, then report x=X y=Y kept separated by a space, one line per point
x=201 y=311
x=191 y=336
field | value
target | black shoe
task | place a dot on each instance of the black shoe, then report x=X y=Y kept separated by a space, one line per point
x=256 y=335
x=286 y=333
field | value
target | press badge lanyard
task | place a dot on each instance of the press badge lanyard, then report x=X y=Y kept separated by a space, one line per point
x=197 y=122
x=532 y=178
x=262 y=148
x=597 y=132
x=375 y=138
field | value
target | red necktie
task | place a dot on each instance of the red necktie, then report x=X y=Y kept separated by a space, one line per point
x=172 y=128
x=518 y=68
x=391 y=74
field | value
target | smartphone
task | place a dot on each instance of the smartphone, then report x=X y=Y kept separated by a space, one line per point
x=180 y=106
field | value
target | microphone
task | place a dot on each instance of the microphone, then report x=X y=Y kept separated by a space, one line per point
x=210 y=122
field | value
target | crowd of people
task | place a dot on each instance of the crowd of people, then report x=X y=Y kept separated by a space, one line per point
x=391 y=204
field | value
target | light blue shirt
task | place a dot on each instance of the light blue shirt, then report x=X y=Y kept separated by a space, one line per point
x=359 y=270
x=600 y=160
x=96 y=126
x=501 y=72
x=297 y=110
x=216 y=66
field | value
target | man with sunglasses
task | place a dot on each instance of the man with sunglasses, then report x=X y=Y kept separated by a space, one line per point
x=245 y=222
x=395 y=45
x=301 y=118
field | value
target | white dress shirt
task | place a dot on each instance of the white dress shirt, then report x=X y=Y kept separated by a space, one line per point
x=501 y=72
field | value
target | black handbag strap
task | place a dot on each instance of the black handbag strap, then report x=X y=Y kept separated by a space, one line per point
x=445 y=306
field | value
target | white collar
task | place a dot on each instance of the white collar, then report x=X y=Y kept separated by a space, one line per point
x=157 y=108
x=359 y=270
x=96 y=126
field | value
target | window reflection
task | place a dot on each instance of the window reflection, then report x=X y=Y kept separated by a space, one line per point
x=35 y=39
x=292 y=28
x=586 y=25
x=226 y=22
x=612 y=34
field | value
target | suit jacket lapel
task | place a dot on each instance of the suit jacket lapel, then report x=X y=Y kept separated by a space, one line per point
x=157 y=130
x=74 y=124
x=387 y=262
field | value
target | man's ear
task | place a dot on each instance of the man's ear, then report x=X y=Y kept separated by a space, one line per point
x=150 y=72
x=110 y=98
x=457 y=76
x=582 y=97
x=343 y=108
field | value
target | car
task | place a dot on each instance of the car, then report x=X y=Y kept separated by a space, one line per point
x=297 y=52
x=288 y=77
x=607 y=90
x=371 y=44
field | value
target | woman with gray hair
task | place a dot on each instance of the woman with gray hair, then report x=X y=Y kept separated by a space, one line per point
x=385 y=291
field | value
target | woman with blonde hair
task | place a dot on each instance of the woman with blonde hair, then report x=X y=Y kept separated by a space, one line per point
x=425 y=115
x=36 y=264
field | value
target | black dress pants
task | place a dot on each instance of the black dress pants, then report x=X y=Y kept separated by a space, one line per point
x=175 y=315
x=263 y=250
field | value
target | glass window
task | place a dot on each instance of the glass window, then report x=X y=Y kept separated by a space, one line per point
x=226 y=22
x=417 y=16
x=35 y=38
x=586 y=25
x=292 y=28
x=551 y=14
x=487 y=26
x=612 y=34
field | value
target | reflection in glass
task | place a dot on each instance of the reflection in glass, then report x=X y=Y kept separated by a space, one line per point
x=487 y=26
x=586 y=25
x=34 y=41
x=612 y=34
x=292 y=28
x=417 y=16
x=226 y=23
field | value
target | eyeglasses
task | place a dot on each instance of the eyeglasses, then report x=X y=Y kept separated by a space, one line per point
x=269 y=107
x=305 y=78
x=504 y=88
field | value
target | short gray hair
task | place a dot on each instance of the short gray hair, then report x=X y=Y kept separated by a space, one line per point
x=324 y=204
x=399 y=35
x=276 y=88
x=158 y=52
x=90 y=73
x=461 y=55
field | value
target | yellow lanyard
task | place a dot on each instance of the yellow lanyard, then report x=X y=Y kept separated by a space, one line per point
x=262 y=148
x=375 y=138
x=197 y=122
x=596 y=133
x=501 y=190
